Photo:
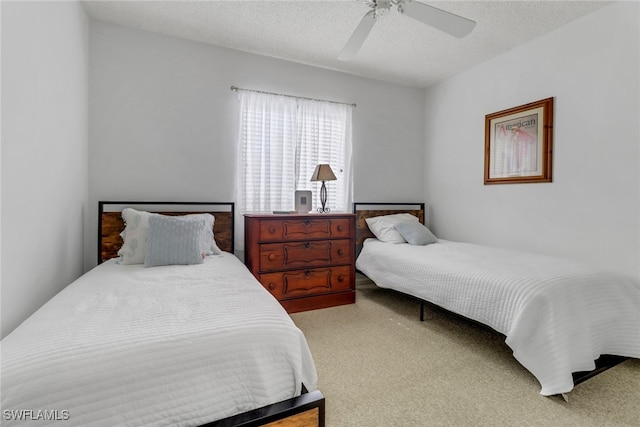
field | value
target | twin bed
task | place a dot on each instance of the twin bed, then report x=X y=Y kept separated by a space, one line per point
x=558 y=316
x=179 y=345
x=206 y=344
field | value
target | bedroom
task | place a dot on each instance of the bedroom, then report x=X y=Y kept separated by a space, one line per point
x=60 y=67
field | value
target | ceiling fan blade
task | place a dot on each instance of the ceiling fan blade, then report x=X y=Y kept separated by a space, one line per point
x=358 y=37
x=437 y=18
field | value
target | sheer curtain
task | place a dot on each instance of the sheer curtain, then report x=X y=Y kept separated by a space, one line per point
x=267 y=141
x=281 y=139
x=324 y=136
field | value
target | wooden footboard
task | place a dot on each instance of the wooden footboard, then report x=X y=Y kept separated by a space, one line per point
x=306 y=410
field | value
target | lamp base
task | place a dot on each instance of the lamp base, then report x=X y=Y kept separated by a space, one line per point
x=323 y=199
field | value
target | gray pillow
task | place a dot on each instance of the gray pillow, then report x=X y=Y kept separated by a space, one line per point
x=415 y=233
x=174 y=241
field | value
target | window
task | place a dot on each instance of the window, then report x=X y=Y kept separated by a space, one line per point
x=281 y=140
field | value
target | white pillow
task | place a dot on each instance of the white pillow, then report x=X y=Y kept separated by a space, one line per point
x=135 y=235
x=209 y=242
x=383 y=227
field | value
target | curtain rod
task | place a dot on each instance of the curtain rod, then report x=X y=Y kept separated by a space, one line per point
x=235 y=89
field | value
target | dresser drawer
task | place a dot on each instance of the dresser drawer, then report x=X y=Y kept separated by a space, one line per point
x=297 y=283
x=281 y=256
x=304 y=228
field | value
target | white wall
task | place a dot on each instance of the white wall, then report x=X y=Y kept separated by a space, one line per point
x=163 y=120
x=44 y=152
x=591 y=210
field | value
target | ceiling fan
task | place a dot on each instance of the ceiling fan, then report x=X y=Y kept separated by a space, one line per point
x=445 y=21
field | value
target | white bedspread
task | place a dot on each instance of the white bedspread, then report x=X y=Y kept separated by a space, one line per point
x=557 y=315
x=178 y=345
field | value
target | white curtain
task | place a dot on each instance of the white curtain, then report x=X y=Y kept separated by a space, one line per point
x=267 y=141
x=324 y=136
x=280 y=141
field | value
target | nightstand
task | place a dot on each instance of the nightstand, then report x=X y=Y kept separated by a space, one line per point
x=306 y=261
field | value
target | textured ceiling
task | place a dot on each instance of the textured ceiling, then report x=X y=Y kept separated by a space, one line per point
x=398 y=49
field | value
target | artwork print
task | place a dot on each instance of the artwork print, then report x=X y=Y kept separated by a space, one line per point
x=518 y=144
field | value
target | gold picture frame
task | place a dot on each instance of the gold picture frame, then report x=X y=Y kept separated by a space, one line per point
x=518 y=144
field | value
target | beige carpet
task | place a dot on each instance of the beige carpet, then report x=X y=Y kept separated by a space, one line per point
x=378 y=365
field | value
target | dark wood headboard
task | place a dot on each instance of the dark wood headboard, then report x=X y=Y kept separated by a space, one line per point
x=111 y=224
x=372 y=209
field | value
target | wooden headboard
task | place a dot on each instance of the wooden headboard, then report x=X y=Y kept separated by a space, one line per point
x=372 y=209
x=111 y=224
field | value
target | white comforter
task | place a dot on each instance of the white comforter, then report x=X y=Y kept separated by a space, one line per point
x=557 y=315
x=178 y=345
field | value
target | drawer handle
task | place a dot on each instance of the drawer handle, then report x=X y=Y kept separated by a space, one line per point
x=272 y=229
x=307 y=273
x=307 y=222
x=340 y=252
x=307 y=245
x=272 y=286
x=339 y=228
x=272 y=257
x=341 y=278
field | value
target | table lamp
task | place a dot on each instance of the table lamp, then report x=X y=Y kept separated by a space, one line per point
x=323 y=173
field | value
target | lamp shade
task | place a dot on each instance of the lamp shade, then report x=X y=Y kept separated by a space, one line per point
x=323 y=173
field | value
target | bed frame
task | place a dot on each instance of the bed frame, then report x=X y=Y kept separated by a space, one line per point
x=306 y=410
x=366 y=210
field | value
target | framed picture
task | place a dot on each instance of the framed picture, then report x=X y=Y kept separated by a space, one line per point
x=303 y=201
x=518 y=144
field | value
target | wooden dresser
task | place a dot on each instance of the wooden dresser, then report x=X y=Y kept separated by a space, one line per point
x=306 y=261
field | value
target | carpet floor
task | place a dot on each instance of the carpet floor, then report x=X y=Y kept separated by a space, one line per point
x=378 y=365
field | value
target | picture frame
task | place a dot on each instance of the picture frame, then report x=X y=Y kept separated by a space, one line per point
x=303 y=201
x=519 y=144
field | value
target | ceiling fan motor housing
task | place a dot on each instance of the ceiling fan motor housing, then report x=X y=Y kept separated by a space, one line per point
x=381 y=7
